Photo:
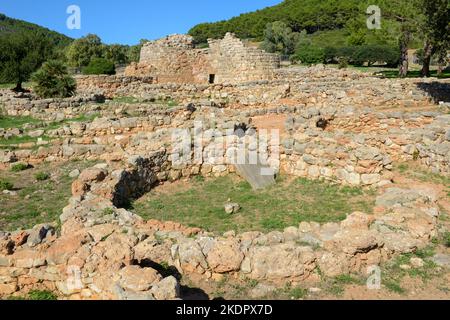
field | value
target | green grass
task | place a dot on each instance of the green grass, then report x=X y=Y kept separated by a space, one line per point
x=393 y=273
x=44 y=295
x=19 y=167
x=394 y=286
x=37 y=201
x=417 y=172
x=287 y=203
x=5 y=185
x=25 y=85
x=126 y=99
x=414 y=74
x=8 y=122
x=42 y=176
x=336 y=285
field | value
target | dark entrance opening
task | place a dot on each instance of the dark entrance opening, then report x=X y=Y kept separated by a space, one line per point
x=212 y=77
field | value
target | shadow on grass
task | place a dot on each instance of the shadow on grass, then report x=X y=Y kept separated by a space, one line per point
x=438 y=91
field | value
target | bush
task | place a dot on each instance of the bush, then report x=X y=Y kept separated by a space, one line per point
x=53 y=81
x=19 y=167
x=376 y=53
x=360 y=55
x=6 y=185
x=309 y=54
x=42 y=176
x=100 y=66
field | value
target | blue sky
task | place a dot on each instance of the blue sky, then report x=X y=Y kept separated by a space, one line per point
x=129 y=21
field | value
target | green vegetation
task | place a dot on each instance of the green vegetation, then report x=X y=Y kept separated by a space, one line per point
x=10 y=25
x=37 y=295
x=415 y=74
x=415 y=171
x=310 y=15
x=37 y=201
x=19 y=167
x=21 y=54
x=41 y=295
x=52 y=80
x=42 y=176
x=285 y=204
x=7 y=122
x=100 y=66
x=5 y=185
x=278 y=37
x=336 y=285
x=340 y=24
x=394 y=271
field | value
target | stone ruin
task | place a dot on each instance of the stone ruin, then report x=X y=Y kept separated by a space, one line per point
x=174 y=59
x=328 y=131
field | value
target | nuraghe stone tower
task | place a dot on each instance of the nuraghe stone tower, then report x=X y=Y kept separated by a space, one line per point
x=174 y=59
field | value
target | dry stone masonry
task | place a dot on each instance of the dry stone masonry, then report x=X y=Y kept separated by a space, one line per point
x=174 y=59
x=342 y=126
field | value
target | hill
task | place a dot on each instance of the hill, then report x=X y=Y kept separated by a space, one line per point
x=10 y=25
x=342 y=17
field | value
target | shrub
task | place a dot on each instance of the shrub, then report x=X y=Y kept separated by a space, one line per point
x=19 y=167
x=42 y=176
x=5 y=185
x=41 y=295
x=53 y=81
x=100 y=66
x=376 y=53
x=309 y=54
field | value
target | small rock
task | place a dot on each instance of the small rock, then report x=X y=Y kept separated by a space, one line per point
x=405 y=267
x=417 y=262
x=74 y=173
x=261 y=291
x=167 y=289
x=232 y=208
x=38 y=234
x=442 y=260
x=314 y=290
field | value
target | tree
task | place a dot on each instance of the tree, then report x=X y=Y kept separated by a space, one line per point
x=408 y=14
x=100 y=66
x=116 y=53
x=22 y=53
x=437 y=31
x=278 y=37
x=52 y=80
x=82 y=50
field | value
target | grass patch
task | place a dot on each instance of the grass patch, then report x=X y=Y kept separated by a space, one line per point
x=44 y=295
x=41 y=295
x=394 y=286
x=42 y=176
x=336 y=285
x=8 y=122
x=414 y=171
x=37 y=201
x=391 y=74
x=6 y=185
x=19 y=167
x=126 y=99
x=287 y=203
x=393 y=273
